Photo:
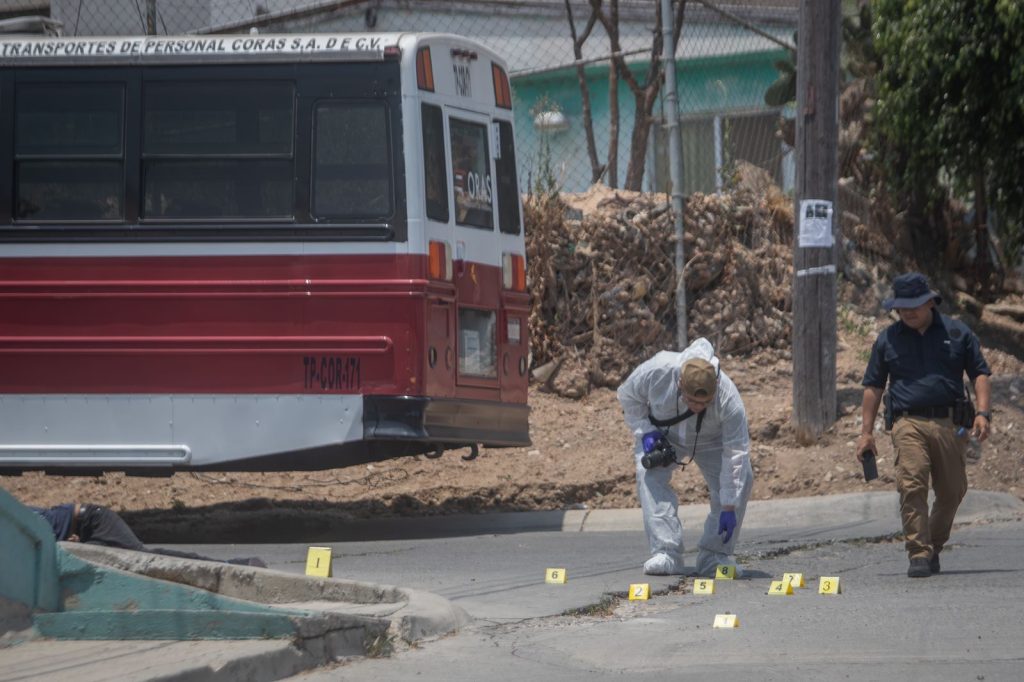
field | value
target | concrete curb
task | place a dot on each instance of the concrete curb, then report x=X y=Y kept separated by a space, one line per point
x=845 y=509
x=412 y=615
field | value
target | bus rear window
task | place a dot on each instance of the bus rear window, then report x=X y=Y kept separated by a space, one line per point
x=435 y=182
x=217 y=149
x=69 y=151
x=352 y=160
x=471 y=176
x=508 y=188
x=478 y=350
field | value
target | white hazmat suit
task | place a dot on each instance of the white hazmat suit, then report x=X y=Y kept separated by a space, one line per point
x=722 y=453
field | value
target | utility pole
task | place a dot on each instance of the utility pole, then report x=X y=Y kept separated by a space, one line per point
x=151 y=17
x=814 y=247
x=670 y=101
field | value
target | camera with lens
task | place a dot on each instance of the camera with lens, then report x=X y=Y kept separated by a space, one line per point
x=658 y=452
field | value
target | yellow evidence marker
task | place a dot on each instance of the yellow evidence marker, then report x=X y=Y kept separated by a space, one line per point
x=829 y=585
x=318 y=562
x=781 y=587
x=725 y=572
x=794 y=579
x=639 y=591
x=555 y=576
x=726 y=620
x=703 y=586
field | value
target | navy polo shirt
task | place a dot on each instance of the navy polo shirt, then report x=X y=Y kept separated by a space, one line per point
x=925 y=370
x=59 y=518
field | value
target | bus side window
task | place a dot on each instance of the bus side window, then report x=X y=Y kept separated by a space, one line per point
x=471 y=175
x=508 y=188
x=69 y=154
x=435 y=179
x=216 y=149
x=352 y=168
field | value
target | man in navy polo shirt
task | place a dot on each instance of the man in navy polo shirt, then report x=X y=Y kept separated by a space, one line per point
x=91 y=524
x=96 y=525
x=923 y=357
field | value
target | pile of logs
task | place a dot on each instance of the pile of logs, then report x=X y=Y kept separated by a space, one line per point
x=602 y=277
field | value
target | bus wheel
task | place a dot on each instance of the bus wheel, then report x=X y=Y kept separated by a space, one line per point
x=474 y=452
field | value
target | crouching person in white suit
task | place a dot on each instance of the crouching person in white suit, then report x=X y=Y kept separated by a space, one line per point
x=682 y=407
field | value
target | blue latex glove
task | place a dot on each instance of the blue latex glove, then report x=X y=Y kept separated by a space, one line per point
x=726 y=524
x=651 y=440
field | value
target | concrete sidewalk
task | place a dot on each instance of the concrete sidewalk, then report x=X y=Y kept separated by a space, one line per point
x=405 y=614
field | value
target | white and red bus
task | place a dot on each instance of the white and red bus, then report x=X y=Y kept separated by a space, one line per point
x=257 y=252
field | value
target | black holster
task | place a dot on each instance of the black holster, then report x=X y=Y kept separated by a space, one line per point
x=964 y=413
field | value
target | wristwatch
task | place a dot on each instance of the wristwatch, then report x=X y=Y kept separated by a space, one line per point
x=987 y=414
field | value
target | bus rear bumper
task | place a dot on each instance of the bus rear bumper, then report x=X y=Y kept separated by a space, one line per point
x=446 y=422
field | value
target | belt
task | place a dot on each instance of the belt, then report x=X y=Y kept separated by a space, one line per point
x=939 y=412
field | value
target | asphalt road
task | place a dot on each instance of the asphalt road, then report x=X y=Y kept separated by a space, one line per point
x=963 y=624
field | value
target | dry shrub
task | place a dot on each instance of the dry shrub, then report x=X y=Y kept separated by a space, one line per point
x=602 y=277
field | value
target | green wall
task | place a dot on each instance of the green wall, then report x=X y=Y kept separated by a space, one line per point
x=706 y=86
x=28 y=569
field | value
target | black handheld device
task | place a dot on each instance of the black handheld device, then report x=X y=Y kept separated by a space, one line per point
x=870 y=467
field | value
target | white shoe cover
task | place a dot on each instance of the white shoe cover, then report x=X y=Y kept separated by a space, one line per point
x=663 y=564
x=708 y=563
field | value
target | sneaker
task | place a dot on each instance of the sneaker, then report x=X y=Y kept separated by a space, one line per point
x=933 y=563
x=919 y=568
x=663 y=564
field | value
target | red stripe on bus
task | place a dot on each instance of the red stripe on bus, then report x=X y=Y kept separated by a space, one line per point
x=190 y=345
x=247 y=324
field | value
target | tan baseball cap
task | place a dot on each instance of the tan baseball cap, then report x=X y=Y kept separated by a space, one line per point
x=698 y=378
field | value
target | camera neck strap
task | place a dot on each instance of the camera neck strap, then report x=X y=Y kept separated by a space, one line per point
x=672 y=421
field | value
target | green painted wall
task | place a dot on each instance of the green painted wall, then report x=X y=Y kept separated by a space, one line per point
x=74 y=599
x=28 y=568
x=706 y=86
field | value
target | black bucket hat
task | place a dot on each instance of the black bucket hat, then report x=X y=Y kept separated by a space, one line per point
x=909 y=291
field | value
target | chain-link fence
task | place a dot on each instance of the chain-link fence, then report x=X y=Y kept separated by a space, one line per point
x=725 y=63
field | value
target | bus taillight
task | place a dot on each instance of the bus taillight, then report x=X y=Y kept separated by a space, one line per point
x=440 y=266
x=513 y=271
x=424 y=70
x=502 y=93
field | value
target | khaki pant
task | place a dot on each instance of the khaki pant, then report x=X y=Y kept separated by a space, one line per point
x=928 y=447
